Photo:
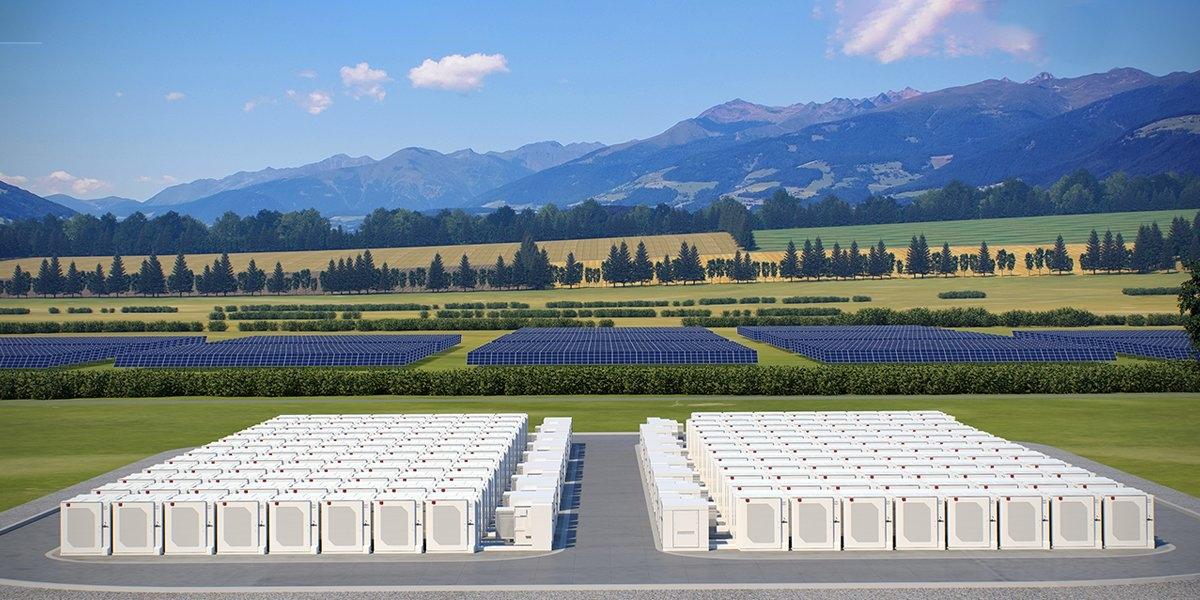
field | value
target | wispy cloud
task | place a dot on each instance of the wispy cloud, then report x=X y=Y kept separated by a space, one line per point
x=62 y=182
x=167 y=179
x=314 y=102
x=174 y=96
x=362 y=81
x=891 y=30
x=14 y=179
x=456 y=72
x=254 y=103
x=307 y=73
x=119 y=94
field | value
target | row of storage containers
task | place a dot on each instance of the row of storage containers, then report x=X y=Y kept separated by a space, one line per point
x=679 y=511
x=528 y=518
x=883 y=481
x=301 y=484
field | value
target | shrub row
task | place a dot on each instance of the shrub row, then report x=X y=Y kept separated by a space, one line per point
x=258 y=315
x=1154 y=291
x=79 y=310
x=815 y=299
x=53 y=310
x=14 y=311
x=149 y=309
x=958 y=294
x=481 y=305
x=823 y=311
x=952 y=317
x=366 y=307
x=860 y=298
x=746 y=380
x=685 y=312
x=606 y=303
x=411 y=324
x=99 y=326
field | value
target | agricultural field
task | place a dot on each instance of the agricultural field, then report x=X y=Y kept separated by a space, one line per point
x=1017 y=231
x=1098 y=293
x=588 y=251
x=48 y=445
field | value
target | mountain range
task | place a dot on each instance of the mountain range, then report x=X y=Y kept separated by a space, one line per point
x=896 y=142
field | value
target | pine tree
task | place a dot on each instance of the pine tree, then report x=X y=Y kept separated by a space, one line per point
x=466 y=274
x=118 y=279
x=224 y=281
x=1093 y=256
x=917 y=262
x=642 y=270
x=1029 y=261
x=1060 y=261
x=1120 y=253
x=1142 y=259
x=20 y=283
x=437 y=279
x=97 y=282
x=856 y=260
x=150 y=280
x=277 y=282
x=182 y=279
x=253 y=279
x=789 y=267
x=613 y=266
x=985 y=265
x=49 y=278
x=572 y=271
x=1163 y=255
x=947 y=264
x=663 y=272
x=1179 y=239
x=73 y=283
x=500 y=274
x=821 y=260
x=837 y=261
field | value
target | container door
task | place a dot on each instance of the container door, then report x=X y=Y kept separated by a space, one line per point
x=447 y=526
x=684 y=529
x=1023 y=523
x=187 y=528
x=970 y=524
x=814 y=524
x=864 y=524
x=919 y=524
x=1128 y=522
x=291 y=528
x=342 y=526
x=396 y=526
x=238 y=528
x=135 y=529
x=760 y=524
x=1073 y=522
x=82 y=529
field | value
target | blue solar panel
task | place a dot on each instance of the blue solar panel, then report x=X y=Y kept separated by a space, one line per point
x=298 y=351
x=42 y=352
x=1171 y=344
x=918 y=344
x=611 y=346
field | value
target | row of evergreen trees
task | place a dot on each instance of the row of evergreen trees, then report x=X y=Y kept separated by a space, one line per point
x=622 y=269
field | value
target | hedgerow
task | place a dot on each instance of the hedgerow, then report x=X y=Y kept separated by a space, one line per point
x=814 y=311
x=365 y=307
x=99 y=326
x=950 y=317
x=1154 y=291
x=14 y=311
x=750 y=380
x=149 y=309
x=961 y=294
x=817 y=299
x=606 y=304
x=258 y=315
x=330 y=325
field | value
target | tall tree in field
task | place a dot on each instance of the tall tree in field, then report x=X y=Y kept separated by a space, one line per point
x=97 y=282
x=808 y=261
x=572 y=271
x=1029 y=262
x=48 y=283
x=500 y=274
x=1164 y=256
x=985 y=264
x=857 y=266
x=616 y=266
x=151 y=281
x=73 y=283
x=1120 y=253
x=663 y=272
x=1093 y=256
x=1060 y=261
x=277 y=282
x=437 y=279
x=917 y=262
x=20 y=283
x=182 y=279
x=253 y=280
x=466 y=274
x=118 y=279
x=1179 y=237
x=947 y=262
x=820 y=259
x=789 y=267
x=643 y=268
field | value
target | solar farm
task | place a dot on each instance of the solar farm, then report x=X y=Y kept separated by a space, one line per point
x=883 y=481
x=296 y=351
x=337 y=484
x=611 y=346
x=1170 y=344
x=921 y=344
x=45 y=352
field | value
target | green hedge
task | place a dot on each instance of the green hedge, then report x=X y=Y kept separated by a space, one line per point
x=951 y=317
x=149 y=309
x=329 y=325
x=815 y=311
x=79 y=310
x=706 y=301
x=697 y=380
x=685 y=312
x=860 y=298
x=959 y=294
x=485 y=305
x=1154 y=291
x=258 y=315
x=99 y=326
x=218 y=325
x=818 y=299
x=607 y=304
x=366 y=307
x=14 y=311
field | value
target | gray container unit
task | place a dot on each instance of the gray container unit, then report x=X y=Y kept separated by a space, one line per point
x=85 y=527
x=137 y=523
x=397 y=518
x=1075 y=519
x=1128 y=517
x=191 y=522
x=919 y=521
x=346 y=523
x=451 y=524
x=242 y=519
x=293 y=523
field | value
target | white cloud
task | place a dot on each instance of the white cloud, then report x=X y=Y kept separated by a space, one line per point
x=61 y=182
x=314 y=102
x=250 y=105
x=306 y=73
x=169 y=179
x=365 y=81
x=457 y=72
x=17 y=180
x=174 y=96
x=144 y=179
x=891 y=30
x=119 y=94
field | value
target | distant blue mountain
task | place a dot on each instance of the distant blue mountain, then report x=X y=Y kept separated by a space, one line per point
x=121 y=207
x=17 y=204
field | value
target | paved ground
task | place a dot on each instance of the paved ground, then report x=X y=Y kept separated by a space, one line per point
x=609 y=546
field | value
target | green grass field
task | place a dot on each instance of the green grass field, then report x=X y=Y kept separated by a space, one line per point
x=1098 y=293
x=48 y=445
x=1019 y=230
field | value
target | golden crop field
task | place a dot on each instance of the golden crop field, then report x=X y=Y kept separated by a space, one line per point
x=588 y=251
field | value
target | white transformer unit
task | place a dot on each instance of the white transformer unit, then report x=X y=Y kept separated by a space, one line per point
x=815 y=520
x=191 y=523
x=293 y=524
x=761 y=521
x=920 y=521
x=346 y=523
x=528 y=519
x=242 y=523
x=450 y=522
x=1128 y=518
x=1075 y=520
x=866 y=521
x=85 y=527
x=1024 y=521
x=970 y=522
x=137 y=524
x=684 y=522
x=397 y=522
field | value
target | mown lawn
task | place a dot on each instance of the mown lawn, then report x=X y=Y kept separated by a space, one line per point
x=48 y=445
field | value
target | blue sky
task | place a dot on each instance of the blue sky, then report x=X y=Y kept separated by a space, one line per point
x=126 y=97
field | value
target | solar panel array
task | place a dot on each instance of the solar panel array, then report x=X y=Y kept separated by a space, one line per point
x=889 y=480
x=1154 y=343
x=43 y=352
x=333 y=484
x=298 y=351
x=611 y=346
x=919 y=344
